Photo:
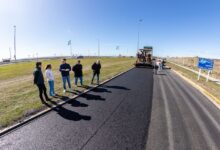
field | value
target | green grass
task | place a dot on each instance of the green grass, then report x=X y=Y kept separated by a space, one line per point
x=210 y=86
x=19 y=97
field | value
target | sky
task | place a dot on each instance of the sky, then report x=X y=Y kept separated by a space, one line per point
x=172 y=27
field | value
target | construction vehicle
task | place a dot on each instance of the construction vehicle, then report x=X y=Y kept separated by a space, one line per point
x=144 y=57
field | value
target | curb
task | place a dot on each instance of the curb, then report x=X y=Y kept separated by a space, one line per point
x=43 y=112
x=207 y=94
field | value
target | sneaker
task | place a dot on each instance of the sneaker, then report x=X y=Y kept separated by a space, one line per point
x=64 y=91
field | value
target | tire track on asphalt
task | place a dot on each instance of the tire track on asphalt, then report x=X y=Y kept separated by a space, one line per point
x=178 y=119
x=204 y=109
x=185 y=118
x=168 y=116
x=196 y=116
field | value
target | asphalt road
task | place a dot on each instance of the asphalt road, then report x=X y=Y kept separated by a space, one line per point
x=136 y=111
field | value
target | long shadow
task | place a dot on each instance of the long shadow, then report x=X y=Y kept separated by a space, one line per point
x=92 y=97
x=75 y=92
x=71 y=115
x=61 y=97
x=66 y=113
x=76 y=103
x=86 y=87
x=101 y=90
x=117 y=87
x=73 y=103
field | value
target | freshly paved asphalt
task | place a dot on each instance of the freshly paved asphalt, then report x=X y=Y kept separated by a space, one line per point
x=136 y=111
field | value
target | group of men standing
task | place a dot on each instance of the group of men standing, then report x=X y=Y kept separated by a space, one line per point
x=65 y=69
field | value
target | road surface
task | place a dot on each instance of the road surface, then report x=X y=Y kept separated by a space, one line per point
x=136 y=111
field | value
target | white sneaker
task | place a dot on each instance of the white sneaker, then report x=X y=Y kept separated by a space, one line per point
x=64 y=91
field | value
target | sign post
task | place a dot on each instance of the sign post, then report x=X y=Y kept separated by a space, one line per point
x=205 y=64
x=207 y=78
x=199 y=74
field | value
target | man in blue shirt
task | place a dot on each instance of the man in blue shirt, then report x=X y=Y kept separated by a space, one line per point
x=65 y=69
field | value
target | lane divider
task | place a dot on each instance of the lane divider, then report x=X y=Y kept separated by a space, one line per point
x=45 y=111
x=207 y=94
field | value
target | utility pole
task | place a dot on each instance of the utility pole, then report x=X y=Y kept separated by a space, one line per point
x=10 y=52
x=98 y=48
x=71 y=51
x=15 y=42
x=37 y=56
x=117 y=48
x=138 y=41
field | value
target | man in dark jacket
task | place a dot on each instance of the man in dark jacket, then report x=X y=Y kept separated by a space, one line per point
x=77 y=69
x=65 y=69
x=96 y=70
x=39 y=81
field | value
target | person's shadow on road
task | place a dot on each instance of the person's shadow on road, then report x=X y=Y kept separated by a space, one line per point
x=88 y=96
x=116 y=87
x=101 y=90
x=69 y=114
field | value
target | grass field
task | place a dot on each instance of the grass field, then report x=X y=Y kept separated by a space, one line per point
x=191 y=62
x=210 y=86
x=19 y=97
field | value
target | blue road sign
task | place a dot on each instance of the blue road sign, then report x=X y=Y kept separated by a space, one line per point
x=205 y=63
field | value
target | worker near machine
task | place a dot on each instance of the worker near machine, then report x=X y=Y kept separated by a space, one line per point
x=96 y=70
x=65 y=69
x=159 y=64
x=78 y=74
x=39 y=81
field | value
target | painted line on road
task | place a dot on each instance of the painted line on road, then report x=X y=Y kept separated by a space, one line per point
x=207 y=94
x=43 y=112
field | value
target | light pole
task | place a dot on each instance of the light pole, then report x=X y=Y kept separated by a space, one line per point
x=98 y=48
x=70 y=44
x=10 y=52
x=138 y=41
x=15 y=42
x=37 y=56
x=117 y=48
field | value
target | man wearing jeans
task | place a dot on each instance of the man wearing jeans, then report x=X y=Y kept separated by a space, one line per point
x=78 y=74
x=65 y=72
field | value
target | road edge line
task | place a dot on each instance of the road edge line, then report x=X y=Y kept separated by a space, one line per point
x=43 y=112
x=207 y=94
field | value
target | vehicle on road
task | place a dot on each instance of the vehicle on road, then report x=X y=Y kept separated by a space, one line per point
x=80 y=57
x=144 y=57
x=6 y=60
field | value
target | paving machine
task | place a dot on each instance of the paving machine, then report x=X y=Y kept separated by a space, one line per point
x=144 y=57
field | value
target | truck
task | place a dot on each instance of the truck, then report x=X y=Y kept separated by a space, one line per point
x=144 y=57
